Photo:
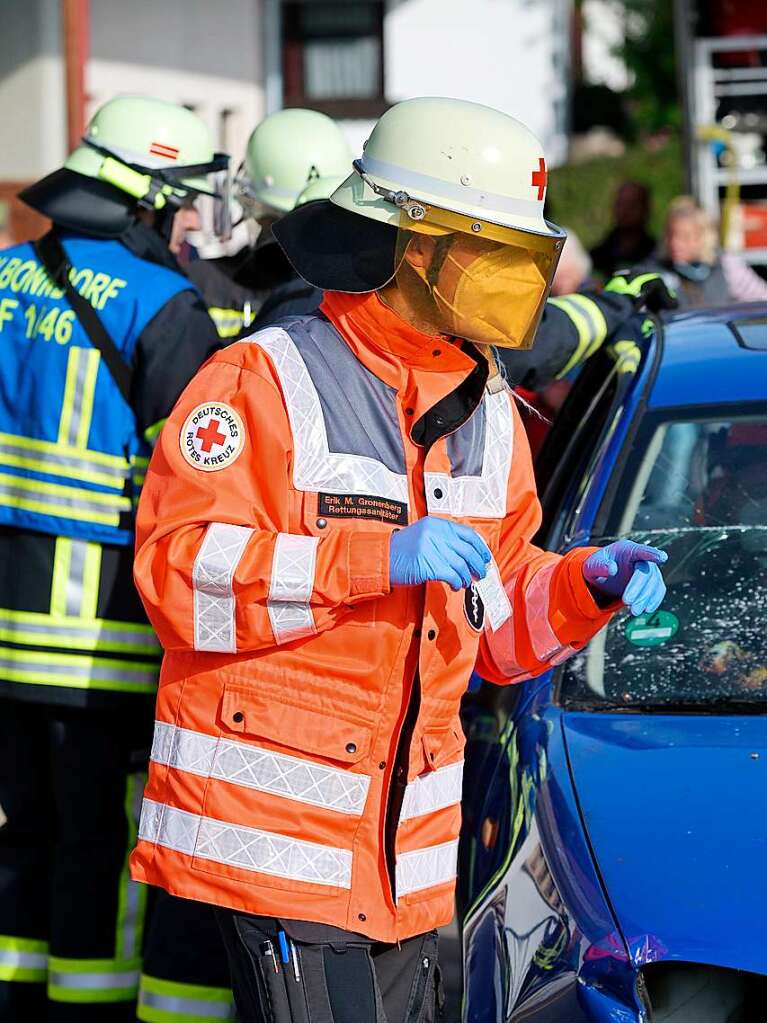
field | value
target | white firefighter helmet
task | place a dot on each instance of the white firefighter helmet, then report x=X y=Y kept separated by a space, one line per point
x=136 y=150
x=288 y=151
x=448 y=196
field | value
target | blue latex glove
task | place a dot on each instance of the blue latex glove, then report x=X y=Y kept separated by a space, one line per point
x=628 y=570
x=437 y=549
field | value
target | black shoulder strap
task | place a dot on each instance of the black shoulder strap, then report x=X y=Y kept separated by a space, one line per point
x=51 y=254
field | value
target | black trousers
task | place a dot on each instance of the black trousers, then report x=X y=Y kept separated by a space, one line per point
x=70 y=917
x=186 y=974
x=71 y=920
x=289 y=972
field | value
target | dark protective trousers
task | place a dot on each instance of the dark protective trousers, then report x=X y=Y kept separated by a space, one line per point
x=289 y=972
x=71 y=920
x=70 y=917
x=186 y=974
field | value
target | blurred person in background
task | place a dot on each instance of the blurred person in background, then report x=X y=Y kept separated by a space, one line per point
x=101 y=333
x=575 y=266
x=692 y=264
x=292 y=154
x=572 y=274
x=628 y=241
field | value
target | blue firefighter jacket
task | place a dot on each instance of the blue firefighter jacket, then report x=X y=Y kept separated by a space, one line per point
x=70 y=454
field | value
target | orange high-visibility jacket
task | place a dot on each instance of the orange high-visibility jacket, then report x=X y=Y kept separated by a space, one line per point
x=308 y=752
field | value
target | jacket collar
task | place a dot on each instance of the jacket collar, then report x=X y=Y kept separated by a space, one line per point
x=385 y=343
x=427 y=370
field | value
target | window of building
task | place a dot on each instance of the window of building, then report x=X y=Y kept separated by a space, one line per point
x=332 y=56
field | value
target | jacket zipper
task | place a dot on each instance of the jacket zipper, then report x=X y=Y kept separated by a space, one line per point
x=399 y=783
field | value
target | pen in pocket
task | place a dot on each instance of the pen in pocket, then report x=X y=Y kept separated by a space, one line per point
x=267 y=950
x=296 y=970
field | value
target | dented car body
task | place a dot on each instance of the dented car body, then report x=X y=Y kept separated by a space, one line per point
x=614 y=835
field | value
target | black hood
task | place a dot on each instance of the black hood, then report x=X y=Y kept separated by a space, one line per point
x=79 y=203
x=146 y=243
x=336 y=250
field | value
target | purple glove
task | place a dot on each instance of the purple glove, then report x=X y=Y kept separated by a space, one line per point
x=628 y=570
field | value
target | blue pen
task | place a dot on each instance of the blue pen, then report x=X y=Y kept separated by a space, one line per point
x=284 y=952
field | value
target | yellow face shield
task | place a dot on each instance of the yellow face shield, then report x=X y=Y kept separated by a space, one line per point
x=474 y=279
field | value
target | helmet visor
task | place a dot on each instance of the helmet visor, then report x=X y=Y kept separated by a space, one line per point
x=222 y=209
x=474 y=279
x=211 y=178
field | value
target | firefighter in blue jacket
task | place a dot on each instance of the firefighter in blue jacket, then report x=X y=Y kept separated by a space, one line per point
x=78 y=660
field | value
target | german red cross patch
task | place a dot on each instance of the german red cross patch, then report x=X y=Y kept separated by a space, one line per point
x=212 y=437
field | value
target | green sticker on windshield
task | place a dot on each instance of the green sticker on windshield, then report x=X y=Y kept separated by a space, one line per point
x=652 y=630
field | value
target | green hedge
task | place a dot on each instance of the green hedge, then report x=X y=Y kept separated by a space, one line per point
x=581 y=194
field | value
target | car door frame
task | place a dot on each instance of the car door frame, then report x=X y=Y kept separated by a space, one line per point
x=590 y=474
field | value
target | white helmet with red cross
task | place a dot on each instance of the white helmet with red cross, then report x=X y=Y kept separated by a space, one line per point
x=455 y=155
x=447 y=198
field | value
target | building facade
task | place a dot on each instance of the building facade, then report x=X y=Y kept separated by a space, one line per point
x=232 y=61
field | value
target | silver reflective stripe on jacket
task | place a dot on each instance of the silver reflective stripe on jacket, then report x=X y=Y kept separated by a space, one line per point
x=219 y=555
x=235 y=845
x=426 y=868
x=317 y=468
x=482 y=495
x=291 y=586
x=433 y=791
x=255 y=768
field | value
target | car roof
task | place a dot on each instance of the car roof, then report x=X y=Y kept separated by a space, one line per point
x=705 y=363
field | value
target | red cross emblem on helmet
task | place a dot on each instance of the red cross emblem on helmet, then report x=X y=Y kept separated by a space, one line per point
x=540 y=178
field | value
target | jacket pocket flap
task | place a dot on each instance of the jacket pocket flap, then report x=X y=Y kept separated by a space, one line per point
x=309 y=731
x=443 y=747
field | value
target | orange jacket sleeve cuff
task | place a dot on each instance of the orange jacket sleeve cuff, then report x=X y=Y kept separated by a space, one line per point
x=582 y=601
x=368 y=564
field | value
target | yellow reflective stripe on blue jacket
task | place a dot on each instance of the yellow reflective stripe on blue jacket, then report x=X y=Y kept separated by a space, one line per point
x=77 y=671
x=62 y=411
x=165 y=1001
x=79 y=393
x=59 y=500
x=92 y=980
x=23 y=960
x=56 y=459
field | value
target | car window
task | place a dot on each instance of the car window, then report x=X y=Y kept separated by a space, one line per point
x=706 y=645
x=694 y=472
x=697 y=488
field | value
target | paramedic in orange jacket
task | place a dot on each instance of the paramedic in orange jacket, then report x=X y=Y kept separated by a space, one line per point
x=334 y=531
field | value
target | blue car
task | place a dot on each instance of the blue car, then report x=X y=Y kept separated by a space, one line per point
x=614 y=854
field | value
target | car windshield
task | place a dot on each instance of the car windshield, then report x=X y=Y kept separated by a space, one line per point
x=697 y=489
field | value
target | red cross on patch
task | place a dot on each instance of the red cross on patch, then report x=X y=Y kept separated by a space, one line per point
x=540 y=178
x=210 y=435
